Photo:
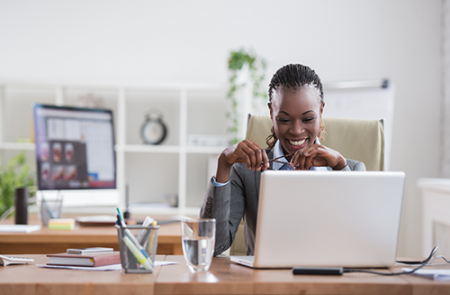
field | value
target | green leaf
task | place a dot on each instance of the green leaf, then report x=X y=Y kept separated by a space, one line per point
x=16 y=175
x=257 y=66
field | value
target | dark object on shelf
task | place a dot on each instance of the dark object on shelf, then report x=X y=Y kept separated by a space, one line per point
x=153 y=130
x=127 y=214
x=21 y=204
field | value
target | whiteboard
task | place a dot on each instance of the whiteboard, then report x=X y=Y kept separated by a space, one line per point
x=363 y=103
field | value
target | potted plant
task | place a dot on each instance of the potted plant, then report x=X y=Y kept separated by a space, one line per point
x=237 y=62
x=15 y=175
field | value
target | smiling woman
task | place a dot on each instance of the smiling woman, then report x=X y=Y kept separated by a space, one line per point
x=296 y=104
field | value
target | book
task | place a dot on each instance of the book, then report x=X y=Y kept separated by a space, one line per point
x=84 y=260
x=7 y=260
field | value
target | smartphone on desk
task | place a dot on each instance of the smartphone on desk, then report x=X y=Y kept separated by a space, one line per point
x=94 y=250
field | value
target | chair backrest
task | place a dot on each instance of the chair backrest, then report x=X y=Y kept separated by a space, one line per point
x=361 y=140
x=357 y=139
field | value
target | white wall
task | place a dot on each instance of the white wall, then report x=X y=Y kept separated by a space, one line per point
x=142 y=42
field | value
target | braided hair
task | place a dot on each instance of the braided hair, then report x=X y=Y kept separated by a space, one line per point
x=295 y=76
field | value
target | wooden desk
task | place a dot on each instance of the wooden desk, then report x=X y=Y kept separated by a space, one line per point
x=57 y=241
x=224 y=277
x=427 y=286
x=30 y=279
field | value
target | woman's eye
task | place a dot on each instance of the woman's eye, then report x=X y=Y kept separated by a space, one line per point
x=308 y=119
x=282 y=120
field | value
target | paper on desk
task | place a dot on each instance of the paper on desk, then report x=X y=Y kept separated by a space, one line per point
x=435 y=274
x=23 y=228
x=101 y=268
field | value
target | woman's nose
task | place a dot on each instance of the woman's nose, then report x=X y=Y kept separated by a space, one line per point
x=297 y=127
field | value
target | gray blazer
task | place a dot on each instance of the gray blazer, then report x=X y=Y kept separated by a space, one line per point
x=239 y=198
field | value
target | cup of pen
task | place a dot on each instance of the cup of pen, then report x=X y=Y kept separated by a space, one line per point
x=49 y=208
x=137 y=246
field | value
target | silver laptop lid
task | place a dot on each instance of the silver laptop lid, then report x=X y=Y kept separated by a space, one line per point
x=344 y=219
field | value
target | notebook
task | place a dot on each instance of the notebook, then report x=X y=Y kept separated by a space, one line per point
x=327 y=219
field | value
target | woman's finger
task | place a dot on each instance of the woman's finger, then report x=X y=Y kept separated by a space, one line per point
x=294 y=160
x=300 y=165
x=245 y=155
x=309 y=162
x=253 y=152
x=265 y=160
x=259 y=152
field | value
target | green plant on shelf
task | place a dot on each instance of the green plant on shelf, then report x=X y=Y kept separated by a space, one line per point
x=15 y=175
x=257 y=69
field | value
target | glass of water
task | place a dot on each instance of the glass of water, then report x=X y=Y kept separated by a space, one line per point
x=198 y=242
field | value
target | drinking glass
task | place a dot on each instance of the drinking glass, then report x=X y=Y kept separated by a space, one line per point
x=198 y=243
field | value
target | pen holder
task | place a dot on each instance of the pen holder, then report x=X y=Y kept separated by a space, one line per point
x=137 y=246
x=49 y=209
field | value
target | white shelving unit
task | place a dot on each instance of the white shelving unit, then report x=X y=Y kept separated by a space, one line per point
x=150 y=171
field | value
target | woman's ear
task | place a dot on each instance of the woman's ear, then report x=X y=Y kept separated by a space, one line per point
x=270 y=110
x=321 y=124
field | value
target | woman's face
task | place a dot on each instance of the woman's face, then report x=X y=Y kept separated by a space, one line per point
x=296 y=114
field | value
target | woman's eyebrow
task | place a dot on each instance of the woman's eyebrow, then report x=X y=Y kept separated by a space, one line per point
x=302 y=114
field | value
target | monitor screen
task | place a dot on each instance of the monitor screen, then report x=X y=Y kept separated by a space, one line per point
x=74 y=148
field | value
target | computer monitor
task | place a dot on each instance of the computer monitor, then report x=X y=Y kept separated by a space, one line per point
x=74 y=148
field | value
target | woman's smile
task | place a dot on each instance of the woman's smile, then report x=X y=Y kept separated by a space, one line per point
x=298 y=144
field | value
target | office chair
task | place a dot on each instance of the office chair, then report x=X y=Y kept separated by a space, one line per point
x=357 y=139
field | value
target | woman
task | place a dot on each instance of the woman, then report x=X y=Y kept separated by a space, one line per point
x=296 y=106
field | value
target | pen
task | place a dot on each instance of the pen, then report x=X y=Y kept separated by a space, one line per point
x=147 y=221
x=130 y=255
x=132 y=238
x=137 y=254
x=152 y=237
x=122 y=221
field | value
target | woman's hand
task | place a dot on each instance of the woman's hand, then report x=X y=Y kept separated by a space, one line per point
x=318 y=155
x=247 y=152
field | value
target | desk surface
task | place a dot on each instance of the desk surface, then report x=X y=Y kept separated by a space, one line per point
x=224 y=277
x=57 y=241
x=30 y=279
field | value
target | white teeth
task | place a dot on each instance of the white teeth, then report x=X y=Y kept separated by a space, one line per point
x=297 y=143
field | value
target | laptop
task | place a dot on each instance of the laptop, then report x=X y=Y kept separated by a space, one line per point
x=327 y=219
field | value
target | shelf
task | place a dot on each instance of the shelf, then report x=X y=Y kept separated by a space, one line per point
x=143 y=171
x=136 y=148
x=19 y=146
x=132 y=148
x=204 y=150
